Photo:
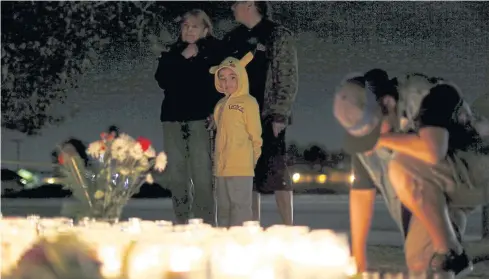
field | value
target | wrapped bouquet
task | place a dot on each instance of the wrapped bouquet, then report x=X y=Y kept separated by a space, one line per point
x=115 y=171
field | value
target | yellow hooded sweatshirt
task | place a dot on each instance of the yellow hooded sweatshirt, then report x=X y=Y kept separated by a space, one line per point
x=237 y=117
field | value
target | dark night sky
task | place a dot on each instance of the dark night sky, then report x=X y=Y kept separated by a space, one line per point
x=449 y=39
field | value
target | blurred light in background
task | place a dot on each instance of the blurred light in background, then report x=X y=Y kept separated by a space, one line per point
x=296 y=177
x=352 y=178
x=50 y=180
x=321 y=178
x=32 y=179
x=25 y=174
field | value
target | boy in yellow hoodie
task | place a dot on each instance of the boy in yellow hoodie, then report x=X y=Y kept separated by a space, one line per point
x=238 y=142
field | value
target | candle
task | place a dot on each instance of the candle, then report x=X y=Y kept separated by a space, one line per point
x=195 y=221
x=111 y=261
x=241 y=257
x=110 y=244
x=139 y=249
x=178 y=275
x=186 y=262
x=145 y=260
x=15 y=240
x=163 y=223
x=322 y=254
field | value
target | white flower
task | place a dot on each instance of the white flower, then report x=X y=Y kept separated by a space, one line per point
x=161 y=161
x=150 y=152
x=144 y=163
x=126 y=138
x=149 y=178
x=136 y=151
x=124 y=171
x=95 y=149
x=119 y=148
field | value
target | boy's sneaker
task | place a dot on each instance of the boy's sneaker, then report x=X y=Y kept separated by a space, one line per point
x=460 y=264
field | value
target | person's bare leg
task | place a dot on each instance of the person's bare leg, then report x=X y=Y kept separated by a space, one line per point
x=428 y=203
x=285 y=205
x=418 y=247
x=256 y=207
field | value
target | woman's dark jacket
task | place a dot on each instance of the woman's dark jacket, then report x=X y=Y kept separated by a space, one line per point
x=190 y=93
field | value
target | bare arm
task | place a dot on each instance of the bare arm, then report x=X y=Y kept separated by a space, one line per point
x=429 y=145
x=362 y=203
x=436 y=115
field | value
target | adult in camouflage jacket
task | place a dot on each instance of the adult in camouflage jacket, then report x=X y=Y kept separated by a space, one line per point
x=273 y=77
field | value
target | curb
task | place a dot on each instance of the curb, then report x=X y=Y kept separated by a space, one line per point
x=298 y=199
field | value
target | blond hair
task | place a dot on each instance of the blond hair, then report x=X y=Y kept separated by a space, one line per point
x=203 y=17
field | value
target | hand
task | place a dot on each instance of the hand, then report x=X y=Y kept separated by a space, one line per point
x=403 y=124
x=370 y=152
x=378 y=145
x=278 y=128
x=211 y=124
x=190 y=51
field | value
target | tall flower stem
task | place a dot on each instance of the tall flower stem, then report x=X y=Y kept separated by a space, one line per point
x=79 y=176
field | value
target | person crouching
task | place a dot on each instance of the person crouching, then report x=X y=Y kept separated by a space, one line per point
x=238 y=142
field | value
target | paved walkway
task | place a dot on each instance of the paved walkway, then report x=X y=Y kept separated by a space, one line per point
x=388 y=258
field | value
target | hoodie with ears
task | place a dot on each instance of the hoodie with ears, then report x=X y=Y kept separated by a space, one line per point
x=237 y=116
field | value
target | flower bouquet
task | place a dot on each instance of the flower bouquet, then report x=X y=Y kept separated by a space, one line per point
x=115 y=171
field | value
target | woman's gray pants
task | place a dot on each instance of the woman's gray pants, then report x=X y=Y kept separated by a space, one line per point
x=189 y=170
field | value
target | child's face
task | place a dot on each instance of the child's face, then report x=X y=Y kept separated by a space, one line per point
x=228 y=80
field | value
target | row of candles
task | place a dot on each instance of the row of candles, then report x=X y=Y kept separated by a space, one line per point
x=139 y=249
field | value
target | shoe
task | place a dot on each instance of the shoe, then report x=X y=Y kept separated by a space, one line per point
x=460 y=265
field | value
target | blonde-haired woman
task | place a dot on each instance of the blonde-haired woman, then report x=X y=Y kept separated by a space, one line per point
x=190 y=96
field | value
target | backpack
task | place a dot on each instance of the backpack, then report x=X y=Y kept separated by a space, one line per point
x=471 y=165
x=479 y=160
x=412 y=89
x=480 y=109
